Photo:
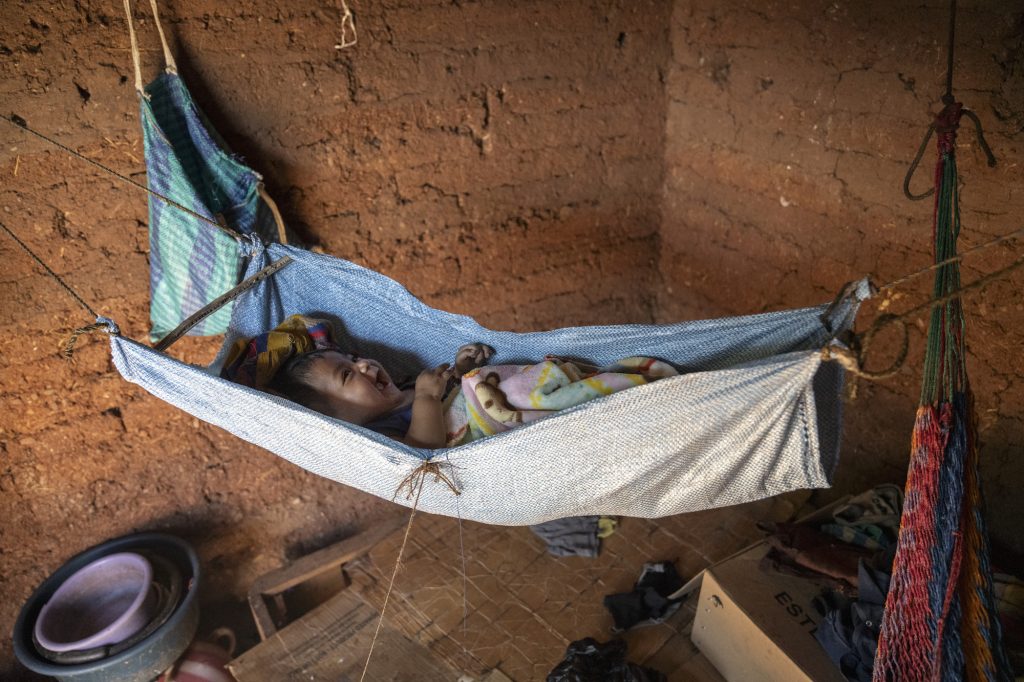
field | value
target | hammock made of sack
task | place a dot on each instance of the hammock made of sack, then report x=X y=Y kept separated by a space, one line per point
x=756 y=412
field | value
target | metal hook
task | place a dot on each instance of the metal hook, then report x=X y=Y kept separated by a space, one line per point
x=913 y=167
x=981 y=137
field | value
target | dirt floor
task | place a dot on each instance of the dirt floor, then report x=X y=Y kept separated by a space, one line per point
x=480 y=598
x=533 y=163
x=523 y=607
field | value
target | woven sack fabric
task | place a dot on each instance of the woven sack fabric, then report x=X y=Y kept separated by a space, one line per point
x=755 y=412
x=191 y=262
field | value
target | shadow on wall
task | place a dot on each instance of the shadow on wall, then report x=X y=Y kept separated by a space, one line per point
x=280 y=180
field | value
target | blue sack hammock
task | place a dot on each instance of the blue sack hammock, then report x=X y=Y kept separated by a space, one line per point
x=190 y=262
x=755 y=412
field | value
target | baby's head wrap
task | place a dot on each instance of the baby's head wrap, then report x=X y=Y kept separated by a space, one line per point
x=254 y=362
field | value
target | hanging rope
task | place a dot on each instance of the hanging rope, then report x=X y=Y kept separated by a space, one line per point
x=413 y=484
x=68 y=347
x=947 y=97
x=855 y=358
x=180 y=330
x=50 y=272
x=954 y=259
x=394 y=574
x=21 y=124
x=348 y=28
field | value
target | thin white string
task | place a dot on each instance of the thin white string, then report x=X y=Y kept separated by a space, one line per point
x=394 y=574
x=465 y=579
x=348 y=26
x=135 y=49
x=169 y=64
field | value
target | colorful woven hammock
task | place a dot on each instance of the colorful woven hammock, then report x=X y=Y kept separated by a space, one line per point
x=940 y=621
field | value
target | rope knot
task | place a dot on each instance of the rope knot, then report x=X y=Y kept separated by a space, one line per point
x=852 y=358
x=250 y=245
x=414 y=481
x=844 y=356
x=946 y=125
x=101 y=324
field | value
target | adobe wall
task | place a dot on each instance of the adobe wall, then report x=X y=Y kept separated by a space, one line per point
x=501 y=159
x=789 y=129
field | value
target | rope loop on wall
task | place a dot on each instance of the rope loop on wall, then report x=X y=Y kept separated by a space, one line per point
x=853 y=358
x=348 y=28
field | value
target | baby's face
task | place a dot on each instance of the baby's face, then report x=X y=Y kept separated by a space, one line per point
x=356 y=390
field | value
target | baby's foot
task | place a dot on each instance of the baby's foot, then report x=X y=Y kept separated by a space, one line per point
x=471 y=356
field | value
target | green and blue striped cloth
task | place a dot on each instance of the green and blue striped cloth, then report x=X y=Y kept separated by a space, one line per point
x=192 y=262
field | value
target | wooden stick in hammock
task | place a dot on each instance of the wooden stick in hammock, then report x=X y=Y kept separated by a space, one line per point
x=219 y=302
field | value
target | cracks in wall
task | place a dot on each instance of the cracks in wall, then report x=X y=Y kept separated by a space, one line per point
x=1010 y=61
x=481 y=134
x=439 y=205
x=864 y=107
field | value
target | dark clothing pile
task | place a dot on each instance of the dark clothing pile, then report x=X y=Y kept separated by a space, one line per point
x=648 y=603
x=849 y=630
x=587 y=660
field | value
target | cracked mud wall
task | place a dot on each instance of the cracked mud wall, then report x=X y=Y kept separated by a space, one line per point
x=500 y=159
x=788 y=132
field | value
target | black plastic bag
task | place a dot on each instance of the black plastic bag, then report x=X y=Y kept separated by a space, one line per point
x=587 y=660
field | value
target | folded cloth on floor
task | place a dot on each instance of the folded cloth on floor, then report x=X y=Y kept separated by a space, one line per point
x=498 y=398
x=573 y=536
x=587 y=660
x=648 y=603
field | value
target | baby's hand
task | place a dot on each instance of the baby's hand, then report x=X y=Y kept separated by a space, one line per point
x=471 y=356
x=432 y=382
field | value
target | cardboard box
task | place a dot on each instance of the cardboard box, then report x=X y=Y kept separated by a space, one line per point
x=754 y=625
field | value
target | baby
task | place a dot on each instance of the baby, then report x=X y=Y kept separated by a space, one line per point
x=300 y=360
x=360 y=391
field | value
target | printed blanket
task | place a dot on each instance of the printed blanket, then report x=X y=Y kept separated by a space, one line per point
x=498 y=398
